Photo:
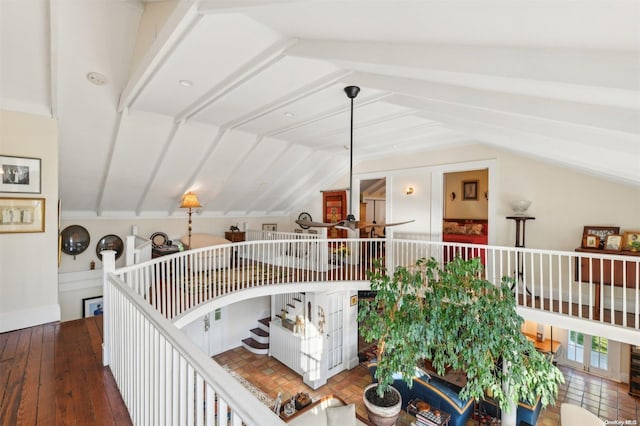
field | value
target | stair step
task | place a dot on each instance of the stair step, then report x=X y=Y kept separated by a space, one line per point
x=297 y=299
x=256 y=347
x=290 y=305
x=260 y=332
x=265 y=321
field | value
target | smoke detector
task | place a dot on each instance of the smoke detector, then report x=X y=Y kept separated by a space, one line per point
x=97 y=78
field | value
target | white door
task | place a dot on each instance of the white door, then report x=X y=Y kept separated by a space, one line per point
x=335 y=334
x=216 y=332
x=589 y=353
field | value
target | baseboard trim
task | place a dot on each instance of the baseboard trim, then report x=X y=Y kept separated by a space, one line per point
x=16 y=320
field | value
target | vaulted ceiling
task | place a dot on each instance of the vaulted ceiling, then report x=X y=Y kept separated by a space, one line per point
x=243 y=101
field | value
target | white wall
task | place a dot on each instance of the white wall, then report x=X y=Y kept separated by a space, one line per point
x=28 y=261
x=458 y=207
x=564 y=200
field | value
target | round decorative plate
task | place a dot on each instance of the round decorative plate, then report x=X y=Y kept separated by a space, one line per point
x=159 y=239
x=305 y=216
x=110 y=242
x=75 y=239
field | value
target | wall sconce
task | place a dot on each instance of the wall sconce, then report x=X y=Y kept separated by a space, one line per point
x=452 y=196
x=409 y=190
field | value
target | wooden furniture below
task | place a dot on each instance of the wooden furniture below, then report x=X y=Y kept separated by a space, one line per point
x=599 y=271
x=544 y=346
x=334 y=209
x=634 y=371
x=235 y=236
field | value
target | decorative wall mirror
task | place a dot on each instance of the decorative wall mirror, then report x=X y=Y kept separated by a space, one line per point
x=110 y=242
x=75 y=240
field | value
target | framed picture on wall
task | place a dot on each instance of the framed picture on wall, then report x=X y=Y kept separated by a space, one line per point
x=271 y=227
x=92 y=306
x=20 y=174
x=21 y=215
x=470 y=190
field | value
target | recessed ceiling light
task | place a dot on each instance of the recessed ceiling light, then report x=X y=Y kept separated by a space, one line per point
x=97 y=78
x=186 y=83
x=289 y=114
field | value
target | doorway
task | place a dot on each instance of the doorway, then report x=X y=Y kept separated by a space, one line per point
x=589 y=353
x=373 y=205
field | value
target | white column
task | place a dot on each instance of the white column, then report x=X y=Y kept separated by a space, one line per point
x=109 y=266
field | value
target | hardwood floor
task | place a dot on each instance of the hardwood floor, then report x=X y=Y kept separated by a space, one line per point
x=52 y=374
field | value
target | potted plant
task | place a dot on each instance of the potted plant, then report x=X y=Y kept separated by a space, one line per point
x=454 y=317
x=634 y=245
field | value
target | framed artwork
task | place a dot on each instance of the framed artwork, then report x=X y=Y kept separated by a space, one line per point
x=21 y=215
x=629 y=237
x=334 y=209
x=613 y=242
x=20 y=174
x=272 y=227
x=92 y=306
x=591 y=241
x=470 y=190
x=601 y=232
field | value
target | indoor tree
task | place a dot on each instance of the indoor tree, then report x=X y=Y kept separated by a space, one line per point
x=454 y=317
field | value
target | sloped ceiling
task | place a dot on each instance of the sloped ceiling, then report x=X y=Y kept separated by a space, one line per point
x=265 y=121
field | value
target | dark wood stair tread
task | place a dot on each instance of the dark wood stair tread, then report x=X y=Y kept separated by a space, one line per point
x=256 y=345
x=265 y=321
x=260 y=332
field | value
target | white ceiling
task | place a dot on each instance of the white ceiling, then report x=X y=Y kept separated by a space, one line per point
x=558 y=80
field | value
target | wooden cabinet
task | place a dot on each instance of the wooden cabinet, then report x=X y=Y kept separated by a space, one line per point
x=235 y=237
x=600 y=272
x=634 y=371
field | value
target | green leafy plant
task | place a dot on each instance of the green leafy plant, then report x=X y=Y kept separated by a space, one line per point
x=454 y=317
x=634 y=245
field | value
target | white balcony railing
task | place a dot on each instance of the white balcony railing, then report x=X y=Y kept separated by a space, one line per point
x=165 y=379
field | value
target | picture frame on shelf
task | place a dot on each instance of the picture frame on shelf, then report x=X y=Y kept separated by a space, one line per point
x=628 y=237
x=470 y=190
x=21 y=215
x=92 y=306
x=20 y=174
x=601 y=232
x=270 y=227
x=613 y=242
x=591 y=241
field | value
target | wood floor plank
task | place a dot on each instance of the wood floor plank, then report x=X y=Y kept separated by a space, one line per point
x=46 y=391
x=75 y=340
x=27 y=410
x=62 y=370
x=13 y=390
x=9 y=350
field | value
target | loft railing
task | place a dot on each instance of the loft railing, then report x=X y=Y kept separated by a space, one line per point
x=165 y=379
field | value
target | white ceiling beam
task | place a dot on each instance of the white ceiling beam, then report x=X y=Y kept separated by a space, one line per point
x=324 y=115
x=156 y=168
x=228 y=6
x=222 y=132
x=518 y=134
x=254 y=66
x=115 y=136
x=363 y=125
x=612 y=77
x=184 y=17
x=290 y=98
x=616 y=119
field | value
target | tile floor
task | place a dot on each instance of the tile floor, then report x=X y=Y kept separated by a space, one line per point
x=607 y=399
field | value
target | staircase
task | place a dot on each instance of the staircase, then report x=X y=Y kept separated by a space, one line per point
x=258 y=342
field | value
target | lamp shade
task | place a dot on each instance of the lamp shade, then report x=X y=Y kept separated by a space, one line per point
x=190 y=201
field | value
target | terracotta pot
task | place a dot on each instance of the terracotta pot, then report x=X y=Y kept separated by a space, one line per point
x=382 y=416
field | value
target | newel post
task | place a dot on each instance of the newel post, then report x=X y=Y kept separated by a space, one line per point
x=109 y=266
